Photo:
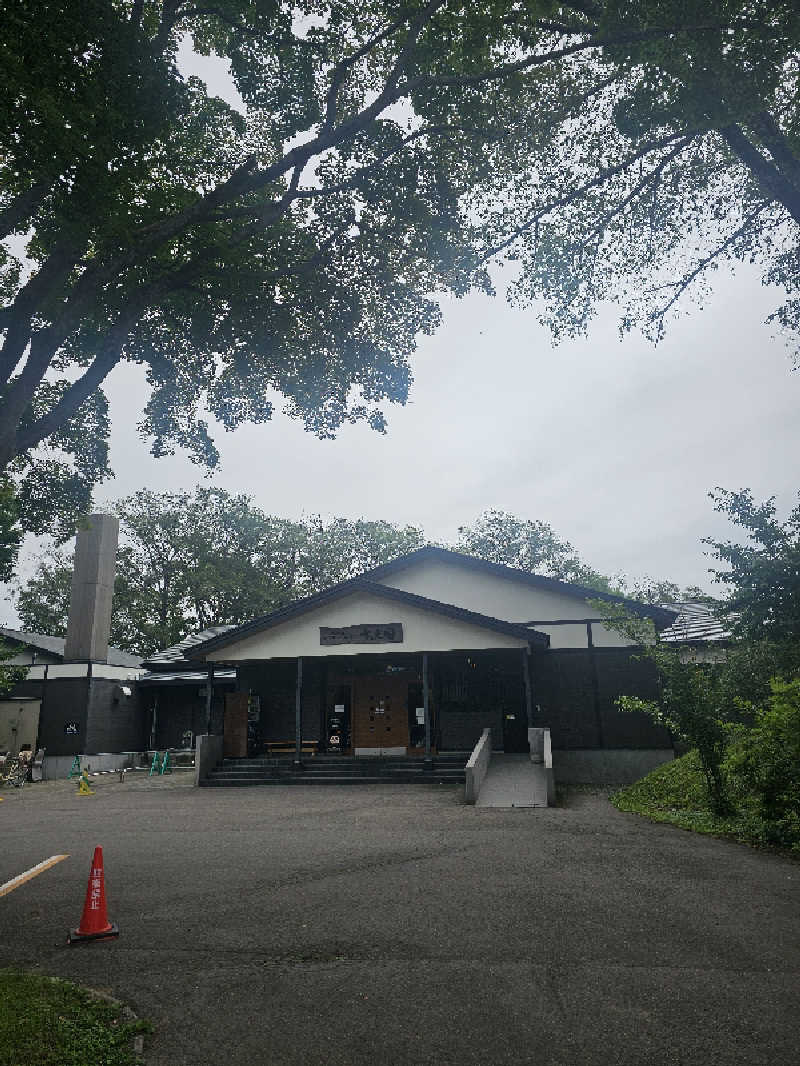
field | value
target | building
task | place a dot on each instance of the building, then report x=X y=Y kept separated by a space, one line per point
x=79 y=696
x=700 y=633
x=67 y=707
x=419 y=656
x=173 y=692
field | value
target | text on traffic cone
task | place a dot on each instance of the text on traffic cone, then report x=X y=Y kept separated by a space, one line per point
x=94 y=920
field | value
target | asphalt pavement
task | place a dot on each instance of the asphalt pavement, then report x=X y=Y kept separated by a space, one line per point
x=395 y=925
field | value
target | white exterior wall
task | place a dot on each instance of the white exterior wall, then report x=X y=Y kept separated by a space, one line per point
x=110 y=673
x=422 y=631
x=506 y=598
x=19 y=724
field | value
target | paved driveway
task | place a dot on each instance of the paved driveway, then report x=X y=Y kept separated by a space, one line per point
x=393 y=925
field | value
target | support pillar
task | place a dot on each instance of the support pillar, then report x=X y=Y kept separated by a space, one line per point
x=154 y=723
x=209 y=696
x=428 y=761
x=595 y=686
x=298 y=717
x=526 y=673
x=535 y=735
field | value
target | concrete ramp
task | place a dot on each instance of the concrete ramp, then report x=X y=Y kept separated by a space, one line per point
x=513 y=781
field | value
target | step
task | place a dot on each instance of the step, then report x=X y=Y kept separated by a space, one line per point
x=407 y=771
x=354 y=770
x=222 y=781
x=347 y=760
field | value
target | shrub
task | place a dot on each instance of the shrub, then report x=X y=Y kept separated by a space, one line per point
x=765 y=760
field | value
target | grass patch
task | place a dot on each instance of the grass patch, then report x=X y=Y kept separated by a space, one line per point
x=676 y=793
x=45 y=1021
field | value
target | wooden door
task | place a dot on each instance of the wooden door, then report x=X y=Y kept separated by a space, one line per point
x=380 y=714
x=235 y=726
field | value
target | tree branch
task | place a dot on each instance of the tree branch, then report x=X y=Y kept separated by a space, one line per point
x=170 y=13
x=238 y=27
x=565 y=29
x=585 y=7
x=136 y=14
x=342 y=69
x=596 y=41
x=41 y=287
x=772 y=182
x=79 y=391
x=352 y=182
x=775 y=140
x=682 y=285
x=648 y=181
x=564 y=201
x=275 y=211
x=22 y=207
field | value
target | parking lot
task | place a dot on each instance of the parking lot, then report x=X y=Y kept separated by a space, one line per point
x=393 y=924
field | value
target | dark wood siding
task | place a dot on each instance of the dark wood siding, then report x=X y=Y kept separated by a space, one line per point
x=563 y=690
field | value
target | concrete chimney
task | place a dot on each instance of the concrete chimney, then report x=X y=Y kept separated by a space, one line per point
x=89 y=623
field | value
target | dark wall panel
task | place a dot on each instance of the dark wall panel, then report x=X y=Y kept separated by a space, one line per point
x=461 y=730
x=275 y=684
x=472 y=692
x=64 y=700
x=564 y=690
x=115 y=722
x=179 y=709
x=622 y=673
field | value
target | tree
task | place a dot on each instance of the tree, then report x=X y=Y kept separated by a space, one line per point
x=10 y=533
x=693 y=702
x=190 y=561
x=185 y=562
x=294 y=251
x=765 y=760
x=763 y=574
x=499 y=537
x=42 y=600
x=689 y=707
x=654 y=161
x=705 y=703
x=655 y=591
x=9 y=675
x=343 y=549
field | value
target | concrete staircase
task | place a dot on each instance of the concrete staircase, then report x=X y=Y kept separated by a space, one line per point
x=448 y=768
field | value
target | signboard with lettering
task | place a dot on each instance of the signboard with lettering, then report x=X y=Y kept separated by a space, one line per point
x=366 y=633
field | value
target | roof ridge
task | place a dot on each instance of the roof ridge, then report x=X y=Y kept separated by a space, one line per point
x=361 y=581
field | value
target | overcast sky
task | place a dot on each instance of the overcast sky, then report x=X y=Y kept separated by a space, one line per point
x=614 y=443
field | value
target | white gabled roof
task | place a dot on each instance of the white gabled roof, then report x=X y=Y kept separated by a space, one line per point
x=696 y=622
x=176 y=654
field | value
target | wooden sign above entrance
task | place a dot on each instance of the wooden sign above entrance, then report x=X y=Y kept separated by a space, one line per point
x=366 y=633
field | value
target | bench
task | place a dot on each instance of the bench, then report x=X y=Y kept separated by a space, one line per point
x=288 y=747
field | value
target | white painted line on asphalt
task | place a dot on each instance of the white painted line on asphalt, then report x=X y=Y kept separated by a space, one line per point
x=34 y=871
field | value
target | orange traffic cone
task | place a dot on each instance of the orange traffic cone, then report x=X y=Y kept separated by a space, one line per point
x=94 y=921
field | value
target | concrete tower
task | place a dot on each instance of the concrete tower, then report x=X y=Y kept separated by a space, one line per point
x=89 y=623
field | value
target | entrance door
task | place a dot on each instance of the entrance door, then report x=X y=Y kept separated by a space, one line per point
x=515 y=731
x=380 y=715
x=235 y=727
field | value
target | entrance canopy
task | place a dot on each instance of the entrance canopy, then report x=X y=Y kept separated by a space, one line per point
x=362 y=617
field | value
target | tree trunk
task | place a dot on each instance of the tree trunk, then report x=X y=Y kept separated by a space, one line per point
x=770 y=179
